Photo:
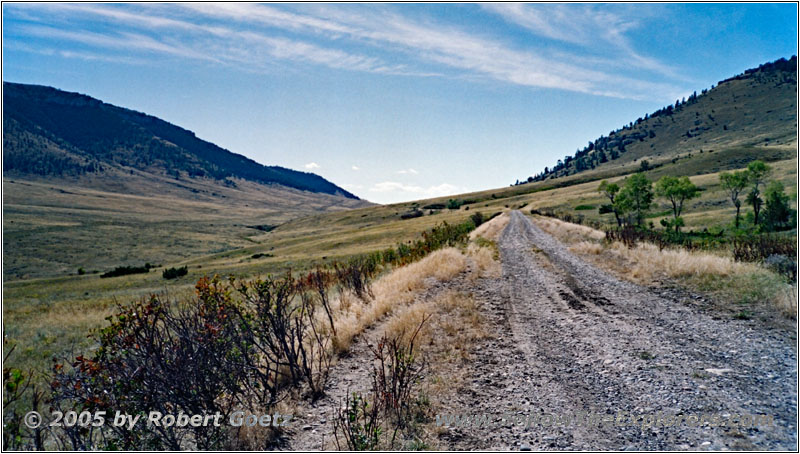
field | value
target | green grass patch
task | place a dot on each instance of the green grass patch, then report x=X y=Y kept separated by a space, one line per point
x=658 y=214
x=745 y=289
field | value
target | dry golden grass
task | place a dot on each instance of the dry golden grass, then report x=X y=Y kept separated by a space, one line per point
x=490 y=230
x=721 y=275
x=486 y=261
x=393 y=292
x=649 y=262
x=404 y=322
x=786 y=301
x=451 y=314
x=567 y=232
x=732 y=281
x=445 y=345
x=483 y=250
x=587 y=248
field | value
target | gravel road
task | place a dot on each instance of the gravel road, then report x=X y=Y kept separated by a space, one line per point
x=579 y=340
x=569 y=339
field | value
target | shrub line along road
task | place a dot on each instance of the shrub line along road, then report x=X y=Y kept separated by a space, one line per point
x=570 y=338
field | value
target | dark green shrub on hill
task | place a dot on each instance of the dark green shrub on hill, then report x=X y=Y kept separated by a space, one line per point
x=172 y=273
x=125 y=270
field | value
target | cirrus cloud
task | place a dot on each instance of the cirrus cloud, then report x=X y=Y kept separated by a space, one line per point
x=378 y=40
x=404 y=191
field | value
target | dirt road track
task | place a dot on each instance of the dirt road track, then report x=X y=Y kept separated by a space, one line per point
x=569 y=338
x=581 y=340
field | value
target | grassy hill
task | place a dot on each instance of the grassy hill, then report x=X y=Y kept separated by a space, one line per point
x=749 y=116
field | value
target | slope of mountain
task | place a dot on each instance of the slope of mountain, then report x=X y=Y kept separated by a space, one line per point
x=50 y=132
x=94 y=186
x=749 y=116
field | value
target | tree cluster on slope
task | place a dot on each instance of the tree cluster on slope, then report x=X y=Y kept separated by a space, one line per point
x=630 y=201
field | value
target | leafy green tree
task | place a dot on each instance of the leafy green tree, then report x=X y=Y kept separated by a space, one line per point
x=610 y=190
x=776 y=212
x=734 y=183
x=758 y=172
x=754 y=199
x=636 y=196
x=676 y=190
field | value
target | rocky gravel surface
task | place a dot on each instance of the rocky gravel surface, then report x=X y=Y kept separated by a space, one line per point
x=580 y=360
x=575 y=340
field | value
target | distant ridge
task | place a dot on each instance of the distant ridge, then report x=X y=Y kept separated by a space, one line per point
x=50 y=132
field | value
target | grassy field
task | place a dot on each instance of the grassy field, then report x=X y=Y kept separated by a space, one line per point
x=52 y=228
x=50 y=311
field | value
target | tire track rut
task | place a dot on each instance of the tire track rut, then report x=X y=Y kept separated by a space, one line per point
x=574 y=339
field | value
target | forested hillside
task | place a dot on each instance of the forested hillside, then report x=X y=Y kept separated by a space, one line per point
x=49 y=132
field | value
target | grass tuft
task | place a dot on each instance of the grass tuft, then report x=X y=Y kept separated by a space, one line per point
x=393 y=292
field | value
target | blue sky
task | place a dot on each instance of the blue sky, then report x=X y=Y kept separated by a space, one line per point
x=394 y=102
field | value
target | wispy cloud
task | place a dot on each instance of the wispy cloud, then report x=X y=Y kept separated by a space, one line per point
x=356 y=168
x=582 y=24
x=375 y=39
x=404 y=191
x=587 y=25
x=267 y=15
x=86 y=56
x=489 y=57
x=407 y=172
x=434 y=42
x=124 y=40
x=247 y=50
x=311 y=165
